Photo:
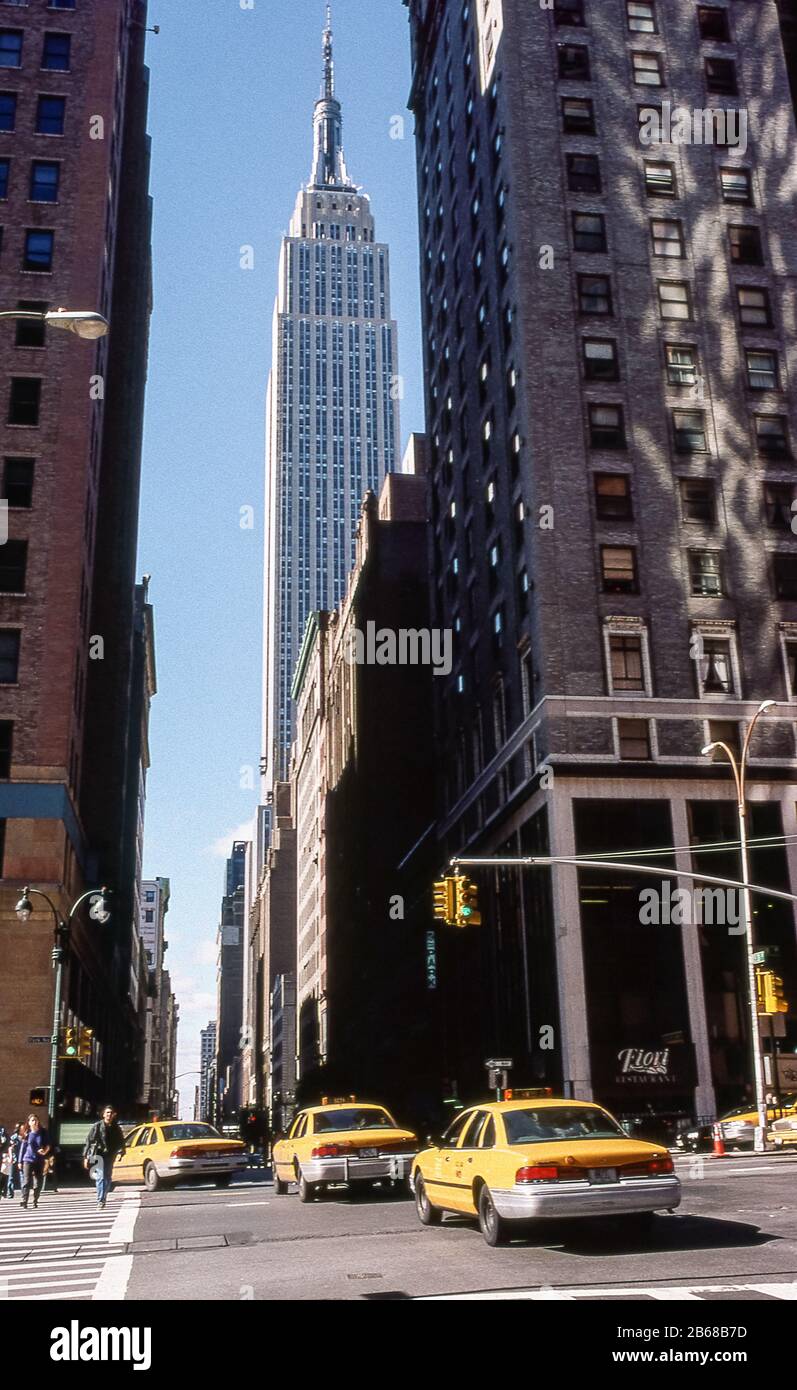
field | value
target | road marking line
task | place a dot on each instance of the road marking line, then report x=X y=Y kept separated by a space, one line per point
x=113 y=1281
x=125 y=1223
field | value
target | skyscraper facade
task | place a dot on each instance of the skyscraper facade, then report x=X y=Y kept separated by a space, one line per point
x=333 y=412
x=611 y=416
x=74 y=171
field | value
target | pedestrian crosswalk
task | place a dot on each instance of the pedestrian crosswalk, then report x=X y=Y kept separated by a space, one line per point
x=659 y=1293
x=66 y=1248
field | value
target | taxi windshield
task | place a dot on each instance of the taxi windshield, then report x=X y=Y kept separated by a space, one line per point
x=559 y=1122
x=356 y=1118
x=172 y=1132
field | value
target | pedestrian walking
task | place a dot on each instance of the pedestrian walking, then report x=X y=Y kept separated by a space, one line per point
x=14 y=1149
x=35 y=1149
x=104 y=1144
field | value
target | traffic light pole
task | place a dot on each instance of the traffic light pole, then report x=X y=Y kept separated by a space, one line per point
x=60 y=945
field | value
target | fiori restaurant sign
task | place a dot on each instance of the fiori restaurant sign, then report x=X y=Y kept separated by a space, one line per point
x=638 y=1061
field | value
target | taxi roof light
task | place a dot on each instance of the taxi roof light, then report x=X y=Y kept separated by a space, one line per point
x=528 y=1093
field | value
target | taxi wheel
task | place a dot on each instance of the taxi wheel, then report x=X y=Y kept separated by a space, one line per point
x=307 y=1190
x=427 y=1214
x=493 y=1227
x=151 y=1180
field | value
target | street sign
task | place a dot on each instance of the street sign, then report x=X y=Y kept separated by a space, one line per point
x=766 y=953
x=499 y=1063
x=40 y=1038
x=759 y=957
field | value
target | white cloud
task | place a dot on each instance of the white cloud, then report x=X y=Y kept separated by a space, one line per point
x=222 y=848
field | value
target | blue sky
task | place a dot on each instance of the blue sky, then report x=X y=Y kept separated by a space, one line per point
x=231 y=124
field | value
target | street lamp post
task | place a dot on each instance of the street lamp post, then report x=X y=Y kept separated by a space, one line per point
x=61 y=933
x=739 y=769
x=84 y=323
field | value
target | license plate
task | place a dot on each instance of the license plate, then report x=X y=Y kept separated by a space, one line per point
x=599 y=1176
x=369 y=1153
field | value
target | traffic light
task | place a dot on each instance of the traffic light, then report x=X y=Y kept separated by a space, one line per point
x=467 y=903
x=71 y=1042
x=759 y=991
x=444 y=898
x=85 y=1040
x=38 y=1096
x=774 y=1000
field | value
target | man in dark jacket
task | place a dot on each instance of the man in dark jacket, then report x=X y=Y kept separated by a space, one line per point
x=104 y=1144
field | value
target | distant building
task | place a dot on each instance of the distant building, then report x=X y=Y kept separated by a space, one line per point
x=161 y=1018
x=207 y=1052
x=281 y=1096
x=230 y=980
x=272 y=941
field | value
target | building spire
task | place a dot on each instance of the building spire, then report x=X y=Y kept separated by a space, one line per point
x=329 y=164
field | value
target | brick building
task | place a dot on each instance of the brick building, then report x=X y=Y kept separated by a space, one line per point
x=610 y=403
x=74 y=160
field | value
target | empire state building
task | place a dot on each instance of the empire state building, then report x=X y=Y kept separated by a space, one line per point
x=333 y=415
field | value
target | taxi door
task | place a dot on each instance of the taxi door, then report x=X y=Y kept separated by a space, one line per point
x=459 y=1164
x=131 y=1167
x=286 y=1148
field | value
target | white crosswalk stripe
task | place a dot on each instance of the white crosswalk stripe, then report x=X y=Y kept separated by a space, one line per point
x=662 y=1293
x=66 y=1248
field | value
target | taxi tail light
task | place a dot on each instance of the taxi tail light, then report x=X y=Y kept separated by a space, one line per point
x=652 y=1168
x=327 y=1151
x=538 y=1173
x=183 y=1151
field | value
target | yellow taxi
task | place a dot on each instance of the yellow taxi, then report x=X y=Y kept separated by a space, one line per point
x=342 y=1142
x=536 y=1156
x=170 y=1151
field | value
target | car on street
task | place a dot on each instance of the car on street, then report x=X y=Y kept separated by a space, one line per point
x=532 y=1158
x=738 y=1127
x=171 y=1151
x=342 y=1142
x=783 y=1133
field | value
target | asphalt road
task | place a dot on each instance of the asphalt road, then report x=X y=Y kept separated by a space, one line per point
x=735 y=1229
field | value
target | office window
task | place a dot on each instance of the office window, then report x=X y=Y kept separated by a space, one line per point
x=641 y=17
x=712 y=23
x=779 y=506
x=772 y=436
x=606 y=427
x=18 y=481
x=736 y=186
x=31 y=332
x=705 y=573
x=50 y=115
x=55 y=53
x=61 y=4
x=618 y=569
x=762 y=369
x=10 y=48
x=9 y=655
x=595 y=295
x=791 y=664
x=24 y=399
x=44 y=180
x=8 y=110
x=754 y=307
x=784 y=567
x=625 y=657
x=633 y=739
x=716 y=667
x=578 y=116
x=573 y=62
x=38 y=250
x=5 y=172
x=697 y=501
x=569 y=12
x=745 y=244
x=689 y=431
x=6 y=746
x=13 y=564
x=647 y=69
x=583 y=173
x=589 y=232
x=681 y=364
x=668 y=238
x=721 y=76
x=600 y=359
x=613 y=497
x=660 y=179
x=675 y=300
